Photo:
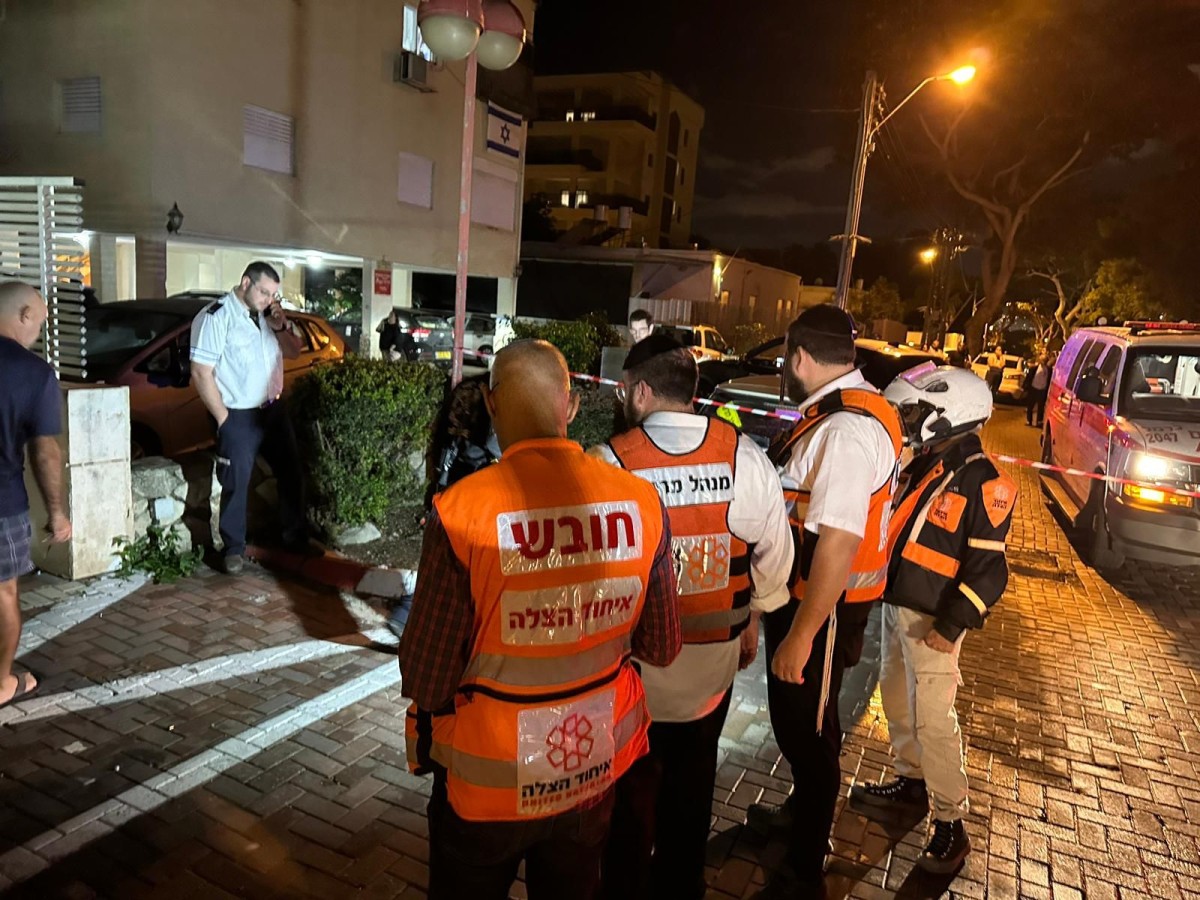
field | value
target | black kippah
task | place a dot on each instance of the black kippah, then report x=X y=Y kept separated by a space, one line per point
x=649 y=347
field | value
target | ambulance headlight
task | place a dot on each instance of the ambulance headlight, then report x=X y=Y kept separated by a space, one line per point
x=1155 y=468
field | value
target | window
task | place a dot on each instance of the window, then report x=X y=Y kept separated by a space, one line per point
x=1108 y=371
x=267 y=140
x=678 y=213
x=668 y=213
x=414 y=41
x=682 y=176
x=1159 y=382
x=1090 y=350
x=566 y=198
x=673 y=135
x=570 y=115
x=581 y=198
x=80 y=105
x=587 y=116
x=670 y=174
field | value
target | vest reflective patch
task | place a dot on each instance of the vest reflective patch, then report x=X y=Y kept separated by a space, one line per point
x=691 y=485
x=701 y=562
x=568 y=613
x=564 y=754
x=947 y=510
x=999 y=497
x=558 y=537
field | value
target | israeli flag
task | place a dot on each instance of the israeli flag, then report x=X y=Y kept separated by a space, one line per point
x=506 y=132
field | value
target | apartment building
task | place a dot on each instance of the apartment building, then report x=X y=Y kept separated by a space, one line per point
x=615 y=156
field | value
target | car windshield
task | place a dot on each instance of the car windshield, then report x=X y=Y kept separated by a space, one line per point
x=432 y=322
x=1162 y=383
x=116 y=334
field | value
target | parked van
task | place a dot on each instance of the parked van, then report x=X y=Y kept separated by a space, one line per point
x=1126 y=402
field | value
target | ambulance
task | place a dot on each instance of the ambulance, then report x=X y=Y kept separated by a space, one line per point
x=1125 y=402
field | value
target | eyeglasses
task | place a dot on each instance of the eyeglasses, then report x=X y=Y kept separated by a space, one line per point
x=622 y=391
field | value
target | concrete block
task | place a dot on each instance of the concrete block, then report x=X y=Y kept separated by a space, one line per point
x=167 y=510
x=95 y=424
x=96 y=483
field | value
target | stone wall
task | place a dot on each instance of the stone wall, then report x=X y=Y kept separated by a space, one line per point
x=160 y=494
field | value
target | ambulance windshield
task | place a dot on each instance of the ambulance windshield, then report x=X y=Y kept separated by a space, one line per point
x=1162 y=383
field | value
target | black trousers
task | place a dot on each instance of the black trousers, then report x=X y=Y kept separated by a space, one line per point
x=1035 y=399
x=479 y=860
x=663 y=811
x=245 y=434
x=816 y=770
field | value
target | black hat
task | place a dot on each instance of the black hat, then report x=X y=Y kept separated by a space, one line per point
x=649 y=347
x=825 y=318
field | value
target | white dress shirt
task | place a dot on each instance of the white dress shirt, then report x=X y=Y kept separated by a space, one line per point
x=840 y=463
x=245 y=355
x=693 y=685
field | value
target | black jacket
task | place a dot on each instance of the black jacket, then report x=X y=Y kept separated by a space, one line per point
x=947 y=537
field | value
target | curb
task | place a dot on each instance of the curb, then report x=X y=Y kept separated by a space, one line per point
x=338 y=572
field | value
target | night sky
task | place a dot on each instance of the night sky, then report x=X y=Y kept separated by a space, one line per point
x=780 y=97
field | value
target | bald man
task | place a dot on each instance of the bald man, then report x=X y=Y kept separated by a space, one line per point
x=30 y=415
x=540 y=576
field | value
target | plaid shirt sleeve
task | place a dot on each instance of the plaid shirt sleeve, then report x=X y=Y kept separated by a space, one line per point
x=436 y=644
x=658 y=636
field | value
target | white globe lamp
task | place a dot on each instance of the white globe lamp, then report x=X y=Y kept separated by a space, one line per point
x=503 y=36
x=451 y=28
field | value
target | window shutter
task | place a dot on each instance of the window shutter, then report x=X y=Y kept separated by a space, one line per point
x=267 y=140
x=81 y=106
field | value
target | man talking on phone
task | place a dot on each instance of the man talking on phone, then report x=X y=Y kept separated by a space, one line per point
x=238 y=346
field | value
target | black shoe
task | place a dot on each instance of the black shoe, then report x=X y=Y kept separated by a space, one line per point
x=902 y=791
x=233 y=565
x=947 y=848
x=766 y=818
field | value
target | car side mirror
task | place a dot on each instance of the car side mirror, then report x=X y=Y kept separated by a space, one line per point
x=1091 y=386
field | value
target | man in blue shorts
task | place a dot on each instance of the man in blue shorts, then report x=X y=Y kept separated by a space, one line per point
x=30 y=415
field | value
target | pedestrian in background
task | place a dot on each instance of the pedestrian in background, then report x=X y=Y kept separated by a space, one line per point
x=995 y=369
x=30 y=416
x=838 y=468
x=238 y=346
x=1036 y=387
x=641 y=323
x=733 y=552
x=947 y=569
x=389 y=336
x=539 y=576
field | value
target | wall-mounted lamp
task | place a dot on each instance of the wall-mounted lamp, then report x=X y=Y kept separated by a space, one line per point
x=174 y=219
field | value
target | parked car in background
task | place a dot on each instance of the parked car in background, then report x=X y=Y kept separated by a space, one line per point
x=479 y=332
x=145 y=344
x=1012 y=384
x=1125 y=402
x=879 y=361
x=704 y=341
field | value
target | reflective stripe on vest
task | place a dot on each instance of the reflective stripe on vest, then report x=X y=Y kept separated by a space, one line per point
x=550 y=713
x=868 y=571
x=712 y=565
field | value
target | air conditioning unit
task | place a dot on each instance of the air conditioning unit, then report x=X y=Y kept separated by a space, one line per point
x=411 y=69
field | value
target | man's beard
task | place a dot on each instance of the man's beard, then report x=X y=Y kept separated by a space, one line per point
x=796 y=391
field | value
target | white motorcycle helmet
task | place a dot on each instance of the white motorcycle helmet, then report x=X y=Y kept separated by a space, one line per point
x=939 y=402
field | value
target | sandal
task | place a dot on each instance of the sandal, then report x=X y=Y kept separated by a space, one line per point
x=23 y=691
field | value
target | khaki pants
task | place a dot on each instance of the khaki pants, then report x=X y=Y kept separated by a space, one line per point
x=917 y=685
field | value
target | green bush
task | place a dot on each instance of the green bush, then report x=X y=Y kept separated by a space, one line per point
x=577 y=341
x=594 y=422
x=360 y=425
x=745 y=337
x=606 y=334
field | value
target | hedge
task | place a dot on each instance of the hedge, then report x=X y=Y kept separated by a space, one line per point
x=364 y=428
x=579 y=342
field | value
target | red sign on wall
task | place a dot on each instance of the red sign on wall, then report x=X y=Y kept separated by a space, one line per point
x=383 y=282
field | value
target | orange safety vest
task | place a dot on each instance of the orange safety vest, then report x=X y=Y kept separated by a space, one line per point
x=712 y=565
x=550 y=713
x=868 y=572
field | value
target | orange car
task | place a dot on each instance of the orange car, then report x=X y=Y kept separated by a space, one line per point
x=145 y=344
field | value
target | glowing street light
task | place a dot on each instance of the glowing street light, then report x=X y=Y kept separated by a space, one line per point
x=928 y=255
x=868 y=129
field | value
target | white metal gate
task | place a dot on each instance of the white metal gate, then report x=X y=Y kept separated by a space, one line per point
x=40 y=226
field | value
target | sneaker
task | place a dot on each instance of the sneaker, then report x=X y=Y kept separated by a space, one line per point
x=902 y=791
x=947 y=848
x=766 y=818
x=233 y=565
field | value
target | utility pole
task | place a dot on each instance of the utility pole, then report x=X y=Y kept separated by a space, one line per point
x=864 y=144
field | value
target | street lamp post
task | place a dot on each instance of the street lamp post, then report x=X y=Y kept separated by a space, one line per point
x=488 y=33
x=868 y=129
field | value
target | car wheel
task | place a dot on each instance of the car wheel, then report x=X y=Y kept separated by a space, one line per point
x=143 y=442
x=1100 y=552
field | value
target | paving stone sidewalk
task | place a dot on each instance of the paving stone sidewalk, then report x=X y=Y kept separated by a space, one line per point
x=244 y=738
